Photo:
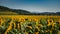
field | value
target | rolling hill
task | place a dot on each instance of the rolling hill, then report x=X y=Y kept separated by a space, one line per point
x=8 y=11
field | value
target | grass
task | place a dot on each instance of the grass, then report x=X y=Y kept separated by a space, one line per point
x=8 y=13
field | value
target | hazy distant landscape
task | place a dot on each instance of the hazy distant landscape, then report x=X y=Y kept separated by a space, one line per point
x=8 y=11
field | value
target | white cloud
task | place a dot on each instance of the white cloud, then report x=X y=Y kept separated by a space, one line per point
x=40 y=9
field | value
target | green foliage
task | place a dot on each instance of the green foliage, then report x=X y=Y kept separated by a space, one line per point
x=29 y=26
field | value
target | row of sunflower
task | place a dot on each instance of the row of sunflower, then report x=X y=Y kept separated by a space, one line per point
x=29 y=26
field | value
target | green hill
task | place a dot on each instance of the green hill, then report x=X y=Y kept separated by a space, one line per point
x=8 y=11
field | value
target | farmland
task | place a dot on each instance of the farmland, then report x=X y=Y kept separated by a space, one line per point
x=29 y=24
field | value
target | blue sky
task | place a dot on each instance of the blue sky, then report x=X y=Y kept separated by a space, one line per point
x=33 y=5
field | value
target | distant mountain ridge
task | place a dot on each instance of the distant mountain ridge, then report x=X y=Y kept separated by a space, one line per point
x=19 y=11
x=23 y=12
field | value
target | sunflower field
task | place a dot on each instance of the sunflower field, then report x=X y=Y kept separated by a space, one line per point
x=23 y=24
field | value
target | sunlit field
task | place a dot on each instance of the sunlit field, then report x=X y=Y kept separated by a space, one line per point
x=29 y=24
